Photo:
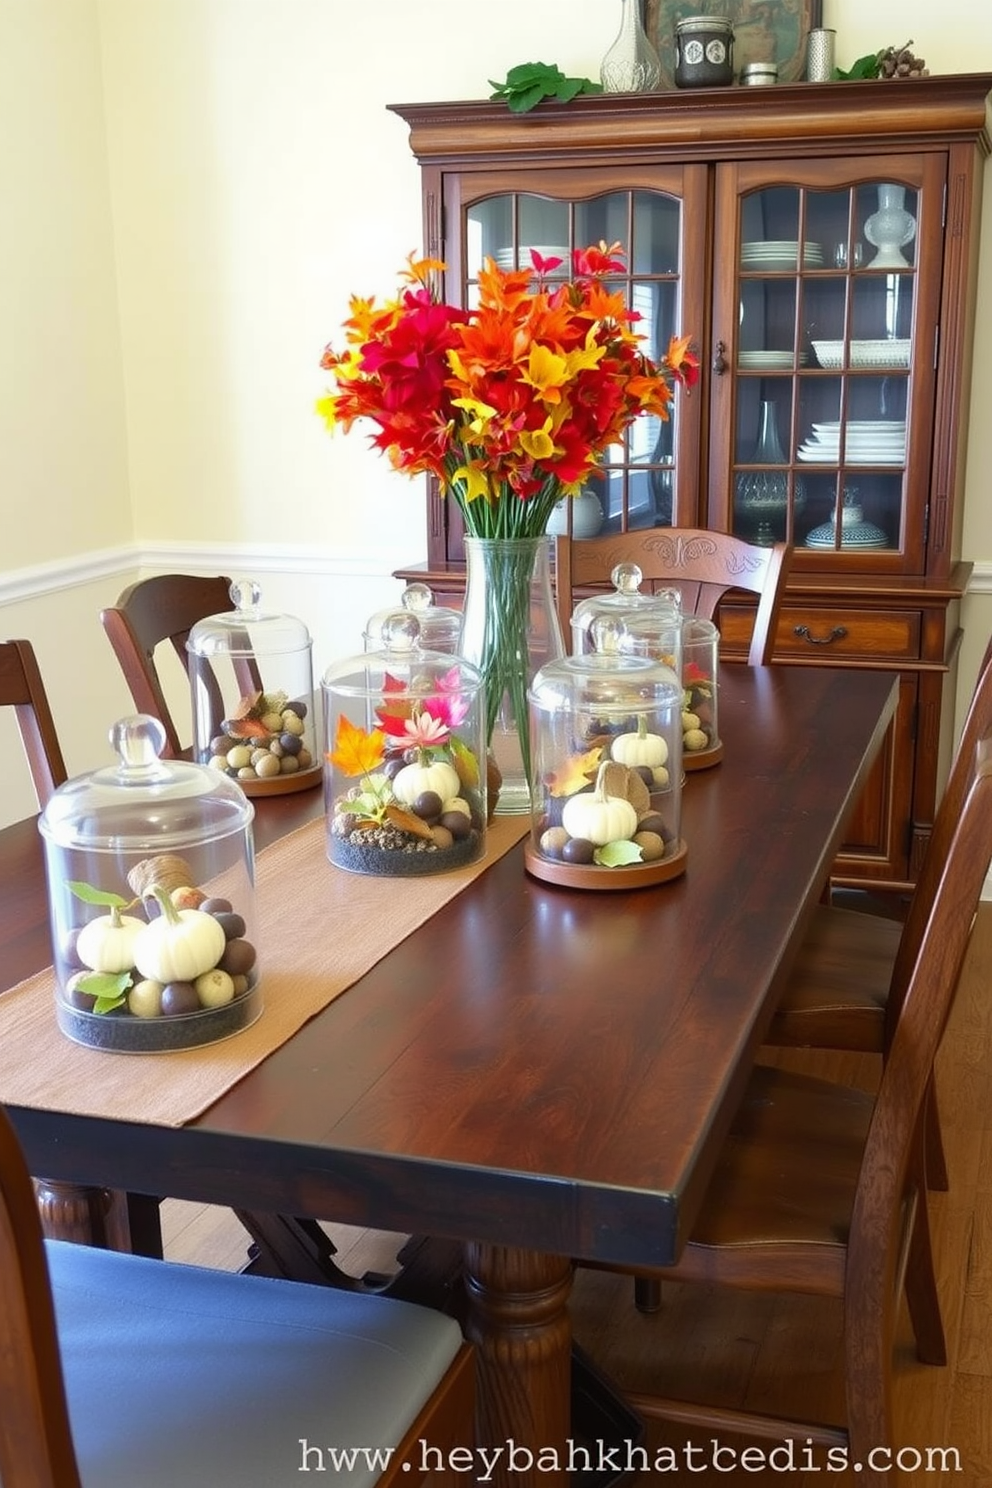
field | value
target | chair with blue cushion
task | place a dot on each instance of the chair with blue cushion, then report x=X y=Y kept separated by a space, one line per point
x=117 y=1371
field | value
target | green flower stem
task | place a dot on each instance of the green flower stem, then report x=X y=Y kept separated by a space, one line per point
x=501 y=651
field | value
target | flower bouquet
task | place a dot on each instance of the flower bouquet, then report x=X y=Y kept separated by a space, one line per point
x=512 y=405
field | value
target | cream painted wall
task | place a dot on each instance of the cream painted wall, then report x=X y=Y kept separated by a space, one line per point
x=63 y=433
x=197 y=187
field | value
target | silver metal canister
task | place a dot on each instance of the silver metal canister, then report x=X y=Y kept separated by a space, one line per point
x=820 y=59
x=759 y=74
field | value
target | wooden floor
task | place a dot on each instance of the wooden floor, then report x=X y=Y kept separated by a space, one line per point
x=782 y=1356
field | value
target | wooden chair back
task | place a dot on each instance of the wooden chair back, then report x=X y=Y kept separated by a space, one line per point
x=891 y=1179
x=22 y=689
x=701 y=565
x=160 y=610
x=977 y=725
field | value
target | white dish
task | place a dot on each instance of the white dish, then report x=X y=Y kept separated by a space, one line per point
x=894 y=354
x=881 y=426
x=861 y=457
x=781 y=245
x=780 y=255
x=770 y=359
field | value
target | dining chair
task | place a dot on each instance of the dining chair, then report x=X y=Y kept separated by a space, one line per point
x=702 y=566
x=843 y=991
x=819 y=1187
x=22 y=688
x=117 y=1370
x=156 y=611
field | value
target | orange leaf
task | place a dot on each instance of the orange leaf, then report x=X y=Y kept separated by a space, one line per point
x=405 y=821
x=357 y=752
x=575 y=774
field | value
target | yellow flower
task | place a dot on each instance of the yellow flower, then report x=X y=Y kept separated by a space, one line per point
x=473 y=478
x=538 y=443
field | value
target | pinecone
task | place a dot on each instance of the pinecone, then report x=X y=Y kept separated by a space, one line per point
x=899 y=62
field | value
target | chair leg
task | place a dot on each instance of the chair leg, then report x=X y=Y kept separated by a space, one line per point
x=868 y=1386
x=647 y=1294
x=936 y=1162
x=922 y=1296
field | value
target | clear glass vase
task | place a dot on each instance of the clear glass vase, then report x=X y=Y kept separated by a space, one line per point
x=509 y=630
x=631 y=65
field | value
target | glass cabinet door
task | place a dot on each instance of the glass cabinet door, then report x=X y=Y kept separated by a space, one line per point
x=831 y=346
x=639 y=477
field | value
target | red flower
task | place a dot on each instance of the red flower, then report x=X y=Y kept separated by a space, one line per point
x=512 y=404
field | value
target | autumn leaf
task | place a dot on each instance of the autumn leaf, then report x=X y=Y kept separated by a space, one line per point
x=617 y=855
x=575 y=774
x=406 y=821
x=357 y=752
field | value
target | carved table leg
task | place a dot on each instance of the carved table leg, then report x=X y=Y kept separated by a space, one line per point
x=519 y=1323
x=90 y=1216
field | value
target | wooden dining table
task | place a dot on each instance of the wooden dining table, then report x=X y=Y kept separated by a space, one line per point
x=541 y=1074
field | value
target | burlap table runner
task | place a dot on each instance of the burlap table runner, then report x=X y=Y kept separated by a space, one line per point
x=320 y=929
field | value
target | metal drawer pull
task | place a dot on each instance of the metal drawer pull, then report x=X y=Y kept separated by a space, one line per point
x=837 y=634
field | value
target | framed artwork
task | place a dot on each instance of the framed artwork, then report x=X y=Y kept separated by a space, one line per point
x=764 y=31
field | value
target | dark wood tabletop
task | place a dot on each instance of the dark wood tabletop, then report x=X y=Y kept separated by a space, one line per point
x=542 y=1073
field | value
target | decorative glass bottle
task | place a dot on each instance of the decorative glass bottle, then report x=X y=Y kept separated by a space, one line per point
x=762 y=499
x=631 y=65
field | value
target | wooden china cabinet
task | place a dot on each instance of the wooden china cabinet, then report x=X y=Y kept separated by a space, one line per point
x=820 y=243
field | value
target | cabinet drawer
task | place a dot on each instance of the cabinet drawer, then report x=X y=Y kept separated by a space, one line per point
x=822 y=633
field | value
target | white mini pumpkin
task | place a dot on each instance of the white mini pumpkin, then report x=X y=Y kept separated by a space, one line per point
x=599 y=818
x=641 y=748
x=413 y=780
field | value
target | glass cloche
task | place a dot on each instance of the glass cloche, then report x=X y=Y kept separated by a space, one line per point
x=606 y=732
x=251 y=678
x=405 y=761
x=151 y=887
x=625 y=601
x=698 y=667
x=440 y=626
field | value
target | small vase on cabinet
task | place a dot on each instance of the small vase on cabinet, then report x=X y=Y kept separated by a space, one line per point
x=509 y=630
x=631 y=65
x=762 y=495
x=890 y=229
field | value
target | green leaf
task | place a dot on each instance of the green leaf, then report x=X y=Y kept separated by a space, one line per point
x=864 y=68
x=109 y=989
x=520 y=102
x=617 y=854
x=107 y=1004
x=527 y=83
x=526 y=73
x=568 y=89
x=89 y=895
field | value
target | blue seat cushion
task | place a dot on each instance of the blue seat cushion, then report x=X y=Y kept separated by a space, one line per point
x=181 y=1377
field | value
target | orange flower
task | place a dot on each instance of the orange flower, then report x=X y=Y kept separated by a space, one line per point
x=511 y=404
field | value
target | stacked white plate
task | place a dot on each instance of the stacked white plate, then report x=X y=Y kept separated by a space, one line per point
x=770 y=361
x=509 y=258
x=866 y=442
x=780 y=254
